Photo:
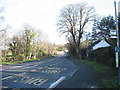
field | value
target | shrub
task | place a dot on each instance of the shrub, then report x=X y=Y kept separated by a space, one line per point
x=3 y=59
x=103 y=56
x=21 y=57
x=83 y=53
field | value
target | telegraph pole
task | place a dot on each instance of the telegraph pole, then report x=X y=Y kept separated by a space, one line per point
x=118 y=43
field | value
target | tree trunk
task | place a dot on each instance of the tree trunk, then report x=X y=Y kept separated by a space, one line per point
x=76 y=46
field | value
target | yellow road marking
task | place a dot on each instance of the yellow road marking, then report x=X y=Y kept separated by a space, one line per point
x=41 y=81
x=40 y=68
x=58 y=72
x=63 y=68
x=54 y=68
x=28 y=80
x=33 y=70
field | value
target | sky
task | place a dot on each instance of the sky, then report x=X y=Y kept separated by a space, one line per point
x=43 y=14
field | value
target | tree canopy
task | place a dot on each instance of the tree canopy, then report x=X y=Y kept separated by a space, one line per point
x=102 y=27
x=73 y=19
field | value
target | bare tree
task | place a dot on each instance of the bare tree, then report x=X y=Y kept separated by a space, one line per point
x=38 y=42
x=4 y=31
x=73 y=20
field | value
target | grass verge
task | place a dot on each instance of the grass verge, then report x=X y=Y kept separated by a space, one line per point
x=108 y=76
x=110 y=82
x=29 y=60
x=97 y=67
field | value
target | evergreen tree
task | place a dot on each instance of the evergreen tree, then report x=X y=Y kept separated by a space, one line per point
x=102 y=28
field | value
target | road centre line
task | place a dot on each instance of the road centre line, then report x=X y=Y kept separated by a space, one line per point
x=20 y=74
x=4 y=87
x=28 y=64
x=54 y=68
x=51 y=70
x=6 y=77
x=19 y=70
x=32 y=66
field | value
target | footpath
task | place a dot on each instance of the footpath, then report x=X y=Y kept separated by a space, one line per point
x=84 y=77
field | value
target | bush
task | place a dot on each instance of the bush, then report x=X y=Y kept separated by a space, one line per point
x=21 y=57
x=3 y=59
x=8 y=59
x=103 y=56
x=83 y=53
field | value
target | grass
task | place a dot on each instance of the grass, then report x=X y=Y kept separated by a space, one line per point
x=111 y=82
x=15 y=62
x=107 y=75
x=97 y=67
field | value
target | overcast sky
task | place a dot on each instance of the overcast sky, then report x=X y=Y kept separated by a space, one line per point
x=43 y=14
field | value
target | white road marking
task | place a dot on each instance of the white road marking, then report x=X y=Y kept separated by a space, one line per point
x=6 y=77
x=32 y=66
x=74 y=72
x=53 y=85
x=4 y=87
x=28 y=65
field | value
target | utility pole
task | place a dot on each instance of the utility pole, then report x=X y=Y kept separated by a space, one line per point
x=118 y=44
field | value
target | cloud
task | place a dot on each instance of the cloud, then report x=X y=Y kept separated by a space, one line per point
x=43 y=13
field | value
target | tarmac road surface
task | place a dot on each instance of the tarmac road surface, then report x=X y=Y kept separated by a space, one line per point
x=47 y=73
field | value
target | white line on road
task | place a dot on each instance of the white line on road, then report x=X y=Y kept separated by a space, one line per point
x=74 y=72
x=32 y=66
x=53 y=85
x=6 y=77
x=4 y=87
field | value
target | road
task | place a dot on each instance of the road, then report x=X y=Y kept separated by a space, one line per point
x=84 y=77
x=46 y=73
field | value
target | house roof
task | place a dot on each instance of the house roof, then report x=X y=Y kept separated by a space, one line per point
x=101 y=44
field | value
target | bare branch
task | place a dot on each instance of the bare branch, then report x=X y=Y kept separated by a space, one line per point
x=73 y=19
